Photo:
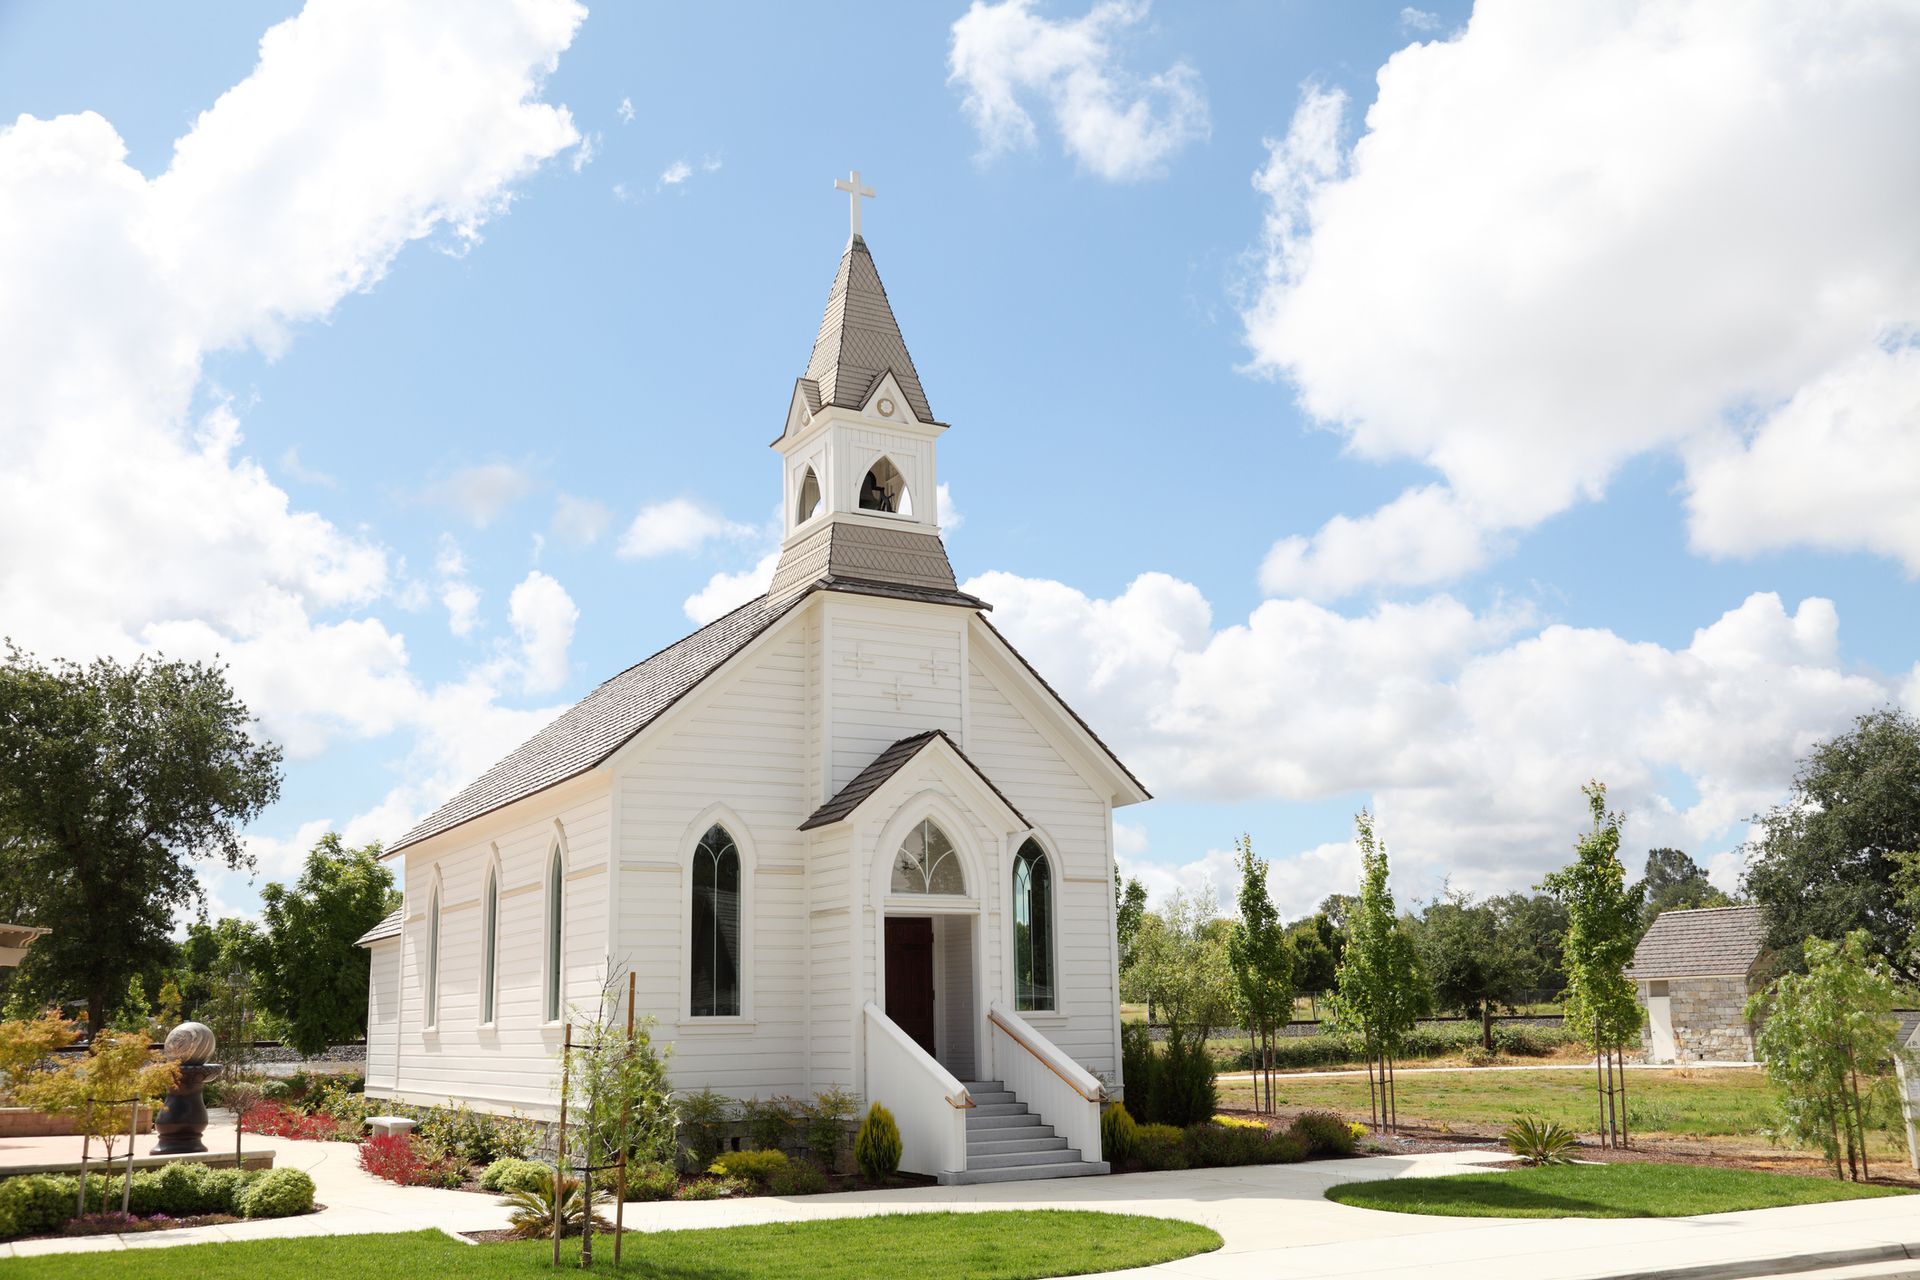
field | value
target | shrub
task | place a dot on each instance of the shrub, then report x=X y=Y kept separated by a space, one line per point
x=877 y=1146
x=400 y=1159
x=703 y=1117
x=35 y=1204
x=1159 y=1146
x=278 y=1193
x=1138 y=1066
x=652 y=1181
x=1117 y=1132
x=752 y=1166
x=1323 y=1134
x=768 y=1123
x=1538 y=1142
x=1359 y=1131
x=1184 y=1092
x=511 y=1173
x=279 y=1120
x=1225 y=1146
x=1239 y=1122
x=475 y=1137
x=711 y=1189
x=798 y=1178
x=534 y=1209
x=827 y=1117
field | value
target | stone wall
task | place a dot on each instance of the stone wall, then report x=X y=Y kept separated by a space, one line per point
x=1709 y=1020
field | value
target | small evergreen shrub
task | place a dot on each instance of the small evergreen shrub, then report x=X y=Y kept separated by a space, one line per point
x=798 y=1178
x=474 y=1137
x=704 y=1117
x=511 y=1173
x=35 y=1204
x=1138 y=1066
x=769 y=1123
x=1323 y=1134
x=1539 y=1142
x=1184 y=1091
x=712 y=1189
x=1117 y=1132
x=1158 y=1147
x=278 y=1193
x=751 y=1166
x=827 y=1117
x=652 y=1181
x=877 y=1146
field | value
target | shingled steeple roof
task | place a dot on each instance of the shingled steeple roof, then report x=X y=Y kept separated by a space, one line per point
x=860 y=340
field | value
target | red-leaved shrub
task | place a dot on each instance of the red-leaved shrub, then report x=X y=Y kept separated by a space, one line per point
x=277 y=1120
x=396 y=1157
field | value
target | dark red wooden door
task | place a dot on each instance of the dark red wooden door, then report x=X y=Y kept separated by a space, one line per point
x=910 y=977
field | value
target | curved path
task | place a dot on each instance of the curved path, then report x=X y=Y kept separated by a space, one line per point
x=1275 y=1221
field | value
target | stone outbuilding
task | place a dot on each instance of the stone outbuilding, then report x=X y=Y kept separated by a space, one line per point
x=1694 y=971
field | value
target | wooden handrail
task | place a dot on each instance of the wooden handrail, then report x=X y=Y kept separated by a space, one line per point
x=1021 y=1040
x=964 y=1103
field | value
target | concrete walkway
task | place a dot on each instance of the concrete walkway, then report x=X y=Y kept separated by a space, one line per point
x=1275 y=1220
x=1361 y=1072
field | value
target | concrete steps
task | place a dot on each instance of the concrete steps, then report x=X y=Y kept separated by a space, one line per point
x=1007 y=1143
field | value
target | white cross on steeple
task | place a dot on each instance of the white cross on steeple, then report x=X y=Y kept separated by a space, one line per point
x=854 y=191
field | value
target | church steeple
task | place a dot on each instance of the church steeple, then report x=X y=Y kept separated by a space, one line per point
x=859 y=458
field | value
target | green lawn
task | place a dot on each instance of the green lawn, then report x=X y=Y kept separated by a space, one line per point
x=924 y=1246
x=1599 y=1191
x=1703 y=1104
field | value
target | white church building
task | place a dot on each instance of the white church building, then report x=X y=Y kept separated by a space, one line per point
x=844 y=835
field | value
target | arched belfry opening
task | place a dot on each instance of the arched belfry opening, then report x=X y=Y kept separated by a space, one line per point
x=808 y=504
x=885 y=489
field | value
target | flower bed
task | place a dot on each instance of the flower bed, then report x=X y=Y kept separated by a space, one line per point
x=279 y=1120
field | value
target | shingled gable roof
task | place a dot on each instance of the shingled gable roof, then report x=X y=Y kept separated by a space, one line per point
x=387 y=928
x=1709 y=942
x=605 y=720
x=884 y=766
x=860 y=340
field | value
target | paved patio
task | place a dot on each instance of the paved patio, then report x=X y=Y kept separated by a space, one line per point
x=1275 y=1220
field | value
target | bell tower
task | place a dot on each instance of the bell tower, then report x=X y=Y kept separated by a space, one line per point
x=859 y=461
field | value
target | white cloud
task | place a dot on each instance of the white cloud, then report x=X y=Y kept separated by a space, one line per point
x=726 y=592
x=1838 y=467
x=625 y=111
x=946 y=514
x=1422 y=536
x=1412 y=19
x=460 y=597
x=677 y=525
x=583 y=155
x=482 y=493
x=1116 y=124
x=676 y=173
x=1470 y=733
x=360 y=130
x=543 y=617
x=1578 y=232
x=297 y=470
x=579 y=521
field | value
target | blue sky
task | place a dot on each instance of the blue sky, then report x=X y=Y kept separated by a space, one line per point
x=1541 y=402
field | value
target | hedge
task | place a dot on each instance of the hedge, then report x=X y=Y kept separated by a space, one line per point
x=39 y=1203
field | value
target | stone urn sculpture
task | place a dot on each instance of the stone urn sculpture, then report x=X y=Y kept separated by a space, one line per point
x=182 y=1122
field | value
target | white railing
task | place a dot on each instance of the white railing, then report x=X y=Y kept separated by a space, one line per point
x=928 y=1104
x=1054 y=1087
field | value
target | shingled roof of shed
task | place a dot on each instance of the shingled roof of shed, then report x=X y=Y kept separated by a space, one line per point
x=1709 y=942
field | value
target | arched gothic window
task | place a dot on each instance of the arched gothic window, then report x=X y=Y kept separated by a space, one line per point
x=489 y=945
x=556 y=919
x=716 y=926
x=809 y=504
x=1032 y=928
x=927 y=863
x=885 y=489
x=433 y=957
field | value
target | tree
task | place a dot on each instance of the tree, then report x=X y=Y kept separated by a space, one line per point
x=1825 y=862
x=1379 y=990
x=1129 y=905
x=1603 y=927
x=1262 y=965
x=113 y=779
x=1470 y=959
x=1315 y=946
x=1826 y=1037
x=1675 y=882
x=1535 y=928
x=312 y=970
x=209 y=957
x=97 y=1089
x=1180 y=965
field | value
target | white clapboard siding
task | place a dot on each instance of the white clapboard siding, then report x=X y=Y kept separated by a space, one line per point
x=739 y=743
x=878 y=652
x=383 y=1013
x=512 y=1064
x=1075 y=820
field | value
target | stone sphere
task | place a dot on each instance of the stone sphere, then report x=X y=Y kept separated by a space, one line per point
x=190 y=1042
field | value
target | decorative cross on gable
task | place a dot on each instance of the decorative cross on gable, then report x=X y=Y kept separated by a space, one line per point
x=854 y=192
x=934 y=668
x=859 y=661
x=898 y=693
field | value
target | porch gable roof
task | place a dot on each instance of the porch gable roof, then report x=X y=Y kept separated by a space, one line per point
x=884 y=766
